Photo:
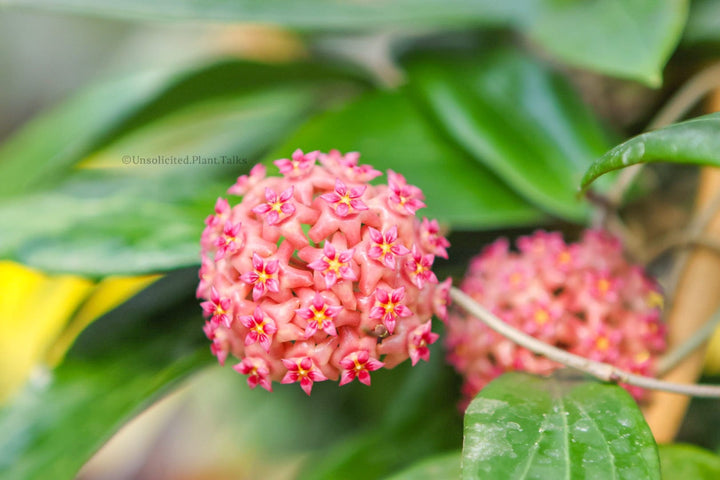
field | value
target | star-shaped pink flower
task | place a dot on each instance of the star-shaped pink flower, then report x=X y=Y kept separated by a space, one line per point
x=385 y=246
x=261 y=328
x=217 y=308
x=299 y=166
x=319 y=316
x=277 y=208
x=257 y=370
x=344 y=200
x=418 y=341
x=403 y=197
x=358 y=365
x=334 y=265
x=302 y=369
x=419 y=268
x=222 y=211
x=229 y=242
x=431 y=238
x=388 y=307
x=263 y=278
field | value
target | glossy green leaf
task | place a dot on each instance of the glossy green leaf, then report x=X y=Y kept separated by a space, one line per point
x=517 y=118
x=53 y=142
x=703 y=25
x=114 y=218
x=521 y=427
x=100 y=114
x=625 y=38
x=688 y=462
x=695 y=141
x=445 y=466
x=118 y=366
x=391 y=133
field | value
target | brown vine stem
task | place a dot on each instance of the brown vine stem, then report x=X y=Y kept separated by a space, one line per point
x=673 y=242
x=687 y=96
x=603 y=371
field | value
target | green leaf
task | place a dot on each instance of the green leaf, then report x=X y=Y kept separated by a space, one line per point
x=56 y=140
x=521 y=426
x=391 y=133
x=626 y=38
x=689 y=462
x=102 y=113
x=703 y=25
x=114 y=218
x=517 y=118
x=695 y=141
x=310 y=14
x=118 y=366
x=445 y=466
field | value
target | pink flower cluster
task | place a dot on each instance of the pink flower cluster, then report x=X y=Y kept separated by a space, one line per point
x=582 y=297
x=320 y=275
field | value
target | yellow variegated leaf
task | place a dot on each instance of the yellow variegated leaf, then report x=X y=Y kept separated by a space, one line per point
x=41 y=315
x=34 y=309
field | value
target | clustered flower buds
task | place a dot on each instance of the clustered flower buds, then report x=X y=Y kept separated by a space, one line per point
x=582 y=297
x=320 y=275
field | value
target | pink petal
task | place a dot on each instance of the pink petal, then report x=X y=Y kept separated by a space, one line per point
x=258 y=291
x=329 y=250
x=347 y=376
x=364 y=377
x=290 y=364
x=358 y=205
x=251 y=337
x=287 y=194
x=265 y=342
x=398 y=294
x=342 y=210
x=330 y=329
x=357 y=191
x=257 y=262
x=272 y=285
x=287 y=208
x=375 y=235
x=311 y=329
x=399 y=250
x=272 y=267
x=330 y=279
x=318 y=301
x=392 y=234
x=262 y=209
x=318 y=264
x=273 y=217
x=331 y=197
x=375 y=252
x=340 y=187
x=347 y=273
x=306 y=384
x=377 y=312
x=346 y=256
x=382 y=296
x=304 y=313
x=402 y=311
x=270 y=195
